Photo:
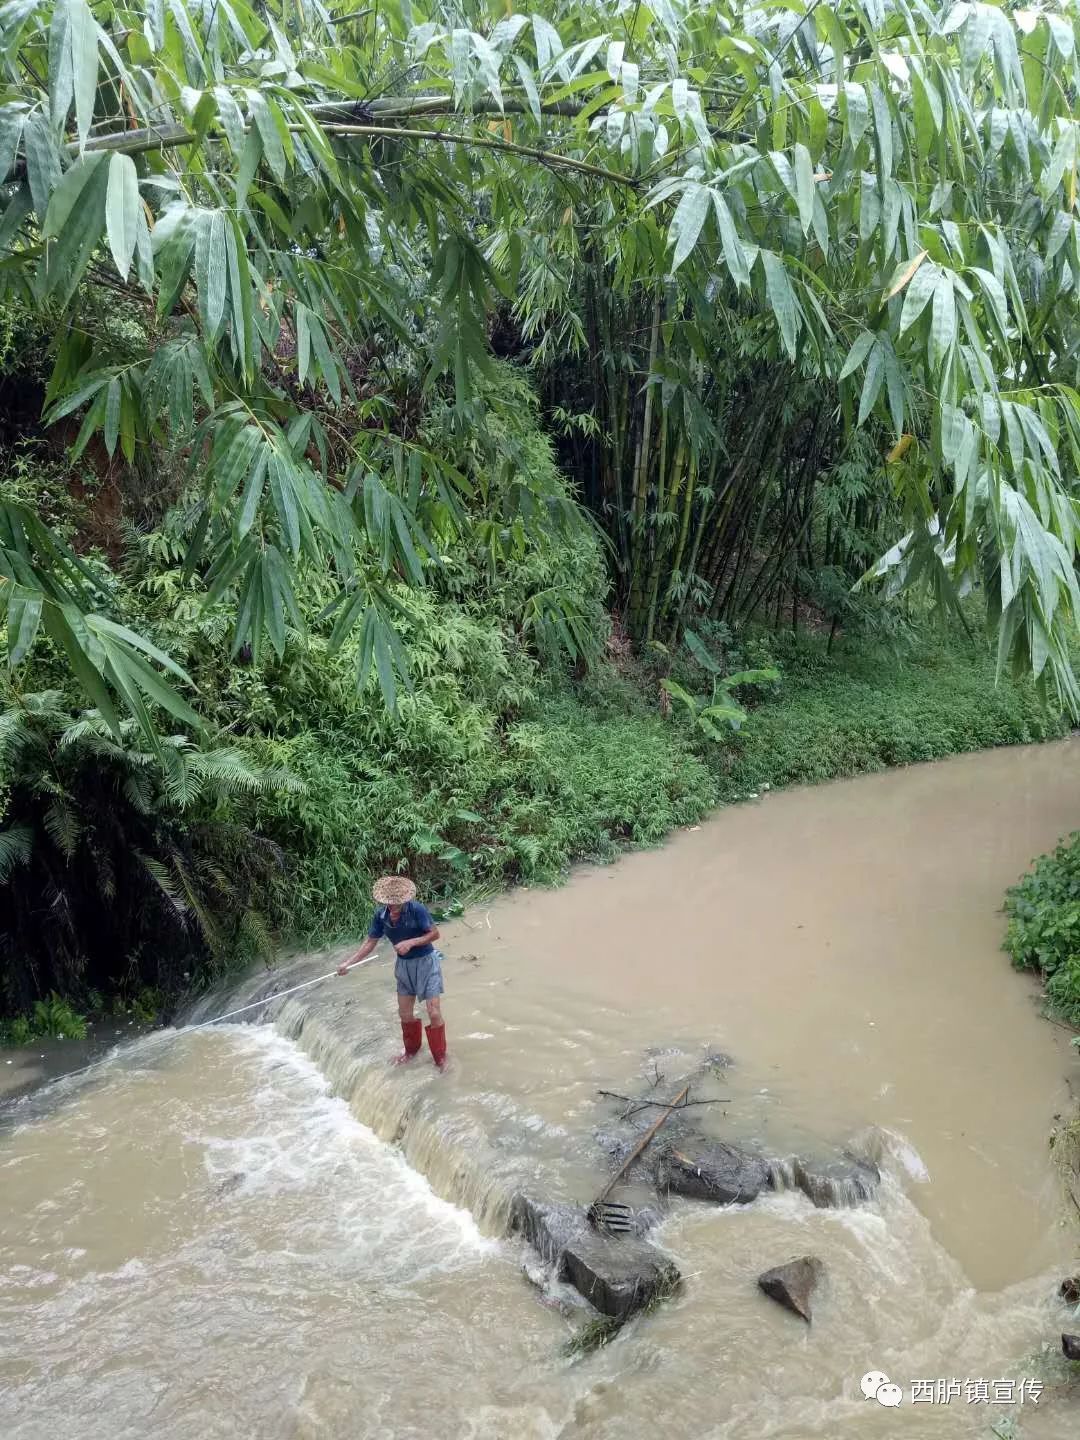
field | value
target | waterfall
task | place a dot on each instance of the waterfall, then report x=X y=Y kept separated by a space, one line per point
x=449 y=1150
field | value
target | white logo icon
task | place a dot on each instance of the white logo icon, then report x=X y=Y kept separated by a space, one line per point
x=875 y=1385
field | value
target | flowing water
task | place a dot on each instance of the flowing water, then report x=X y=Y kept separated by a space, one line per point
x=263 y=1230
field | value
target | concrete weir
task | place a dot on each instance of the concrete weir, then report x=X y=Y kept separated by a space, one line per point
x=465 y=1157
x=618 y=1277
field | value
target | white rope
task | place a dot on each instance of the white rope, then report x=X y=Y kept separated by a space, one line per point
x=189 y=1029
x=277 y=995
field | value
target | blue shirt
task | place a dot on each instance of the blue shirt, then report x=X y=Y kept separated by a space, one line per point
x=415 y=919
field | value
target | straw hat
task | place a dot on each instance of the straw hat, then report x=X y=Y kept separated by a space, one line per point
x=393 y=890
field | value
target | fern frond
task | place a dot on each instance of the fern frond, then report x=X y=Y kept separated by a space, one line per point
x=16 y=847
x=229 y=771
x=206 y=922
x=63 y=827
x=138 y=792
x=163 y=881
x=254 y=928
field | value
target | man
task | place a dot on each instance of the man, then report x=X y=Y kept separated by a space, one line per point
x=418 y=971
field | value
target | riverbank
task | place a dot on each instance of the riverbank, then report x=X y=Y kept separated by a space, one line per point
x=589 y=771
x=25 y=1068
x=583 y=772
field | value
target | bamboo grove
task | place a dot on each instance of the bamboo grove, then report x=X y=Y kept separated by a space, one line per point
x=784 y=273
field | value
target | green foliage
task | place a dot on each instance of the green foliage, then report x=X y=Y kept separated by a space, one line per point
x=591 y=1336
x=708 y=713
x=239 y=205
x=286 y=194
x=123 y=867
x=50 y=1019
x=568 y=781
x=486 y=771
x=1044 y=926
x=864 y=709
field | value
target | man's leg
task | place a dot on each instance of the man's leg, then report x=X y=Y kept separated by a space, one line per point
x=432 y=996
x=412 y=1029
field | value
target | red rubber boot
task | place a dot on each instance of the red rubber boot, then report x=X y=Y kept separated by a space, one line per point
x=436 y=1039
x=412 y=1032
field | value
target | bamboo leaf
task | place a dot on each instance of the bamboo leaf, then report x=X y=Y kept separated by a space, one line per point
x=782 y=299
x=528 y=84
x=66 y=195
x=805 y=187
x=920 y=290
x=24 y=608
x=734 y=254
x=882 y=130
x=858 y=353
x=112 y=415
x=122 y=210
x=904 y=275
x=942 y=319
x=211 y=270
x=73 y=65
x=269 y=135
x=875 y=374
x=42 y=161
x=384 y=664
x=686 y=223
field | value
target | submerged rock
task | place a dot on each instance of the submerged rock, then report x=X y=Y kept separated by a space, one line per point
x=619 y=1277
x=646 y=1219
x=713 y=1170
x=1070 y=1345
x=793 y=1285
x=553 y=1293
x=1070 y=1290
x=828 y=1184
x=537 y=1273
x=717 y=1060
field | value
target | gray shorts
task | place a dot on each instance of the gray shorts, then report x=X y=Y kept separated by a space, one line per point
x=419 y=975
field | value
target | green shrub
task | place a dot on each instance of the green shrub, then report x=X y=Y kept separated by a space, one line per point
x=567 y=781
x=120 y=868
x=1044 y=926
x=50 y=1019
x=865 y=709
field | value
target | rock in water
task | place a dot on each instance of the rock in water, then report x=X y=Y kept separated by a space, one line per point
x=537 y=1273
x=714 y=1171
x=619 y=1277
x=793 y=1284
x=1070 y=1344
x=1070 y=1290
x=829 y=1184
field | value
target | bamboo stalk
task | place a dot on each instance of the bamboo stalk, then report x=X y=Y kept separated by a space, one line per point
x=641 y=468
x=691 y=569
x=681 y=466
x=170 y=135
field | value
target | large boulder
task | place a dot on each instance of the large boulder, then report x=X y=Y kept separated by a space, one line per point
x=713 y=1170
x=1070 y=1345
x=1070 y=1290
x=793 y=1284
x=619 y=1277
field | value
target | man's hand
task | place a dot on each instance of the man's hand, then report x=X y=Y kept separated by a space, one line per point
x=404 y=946
x=344 y=969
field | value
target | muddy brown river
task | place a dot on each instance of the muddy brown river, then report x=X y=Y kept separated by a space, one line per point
x=262 y=1230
